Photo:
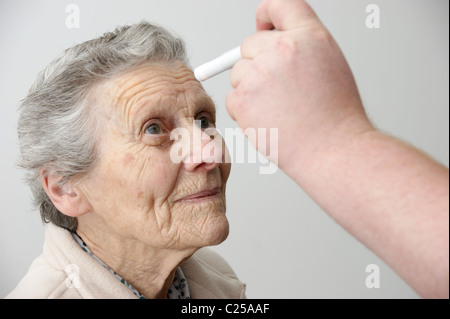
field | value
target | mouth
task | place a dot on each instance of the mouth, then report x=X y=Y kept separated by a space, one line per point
x=201 y=196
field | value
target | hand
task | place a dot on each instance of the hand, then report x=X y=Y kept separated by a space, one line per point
x=295 y=79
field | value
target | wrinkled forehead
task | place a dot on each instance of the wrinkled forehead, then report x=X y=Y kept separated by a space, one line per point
x=151 y=84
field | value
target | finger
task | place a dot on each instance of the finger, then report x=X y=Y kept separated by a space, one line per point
x=257 y=43
x=231 y=103
x=283 y=14
x=238 y=71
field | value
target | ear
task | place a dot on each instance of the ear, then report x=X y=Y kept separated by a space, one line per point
x=66 y=198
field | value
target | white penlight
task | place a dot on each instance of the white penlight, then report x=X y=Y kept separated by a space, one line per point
x=218 y=65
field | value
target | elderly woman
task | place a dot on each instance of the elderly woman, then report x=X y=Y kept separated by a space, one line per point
x=125 y=220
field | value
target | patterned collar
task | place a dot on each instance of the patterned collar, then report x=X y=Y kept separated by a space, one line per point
x=178 y=290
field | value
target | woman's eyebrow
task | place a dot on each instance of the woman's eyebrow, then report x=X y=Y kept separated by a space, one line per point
x=148 y=110
x=205 y=102
x=144 y=111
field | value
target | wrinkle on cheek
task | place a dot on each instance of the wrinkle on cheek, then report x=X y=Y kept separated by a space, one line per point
x=133 y=161
x=164 y=221
x=143 y=167
x=150 y=180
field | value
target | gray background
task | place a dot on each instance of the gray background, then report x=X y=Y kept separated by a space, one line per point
x=281 y=243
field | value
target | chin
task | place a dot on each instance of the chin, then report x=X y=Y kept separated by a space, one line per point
x=216 y=231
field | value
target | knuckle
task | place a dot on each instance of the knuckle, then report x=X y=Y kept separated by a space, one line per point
x=320 y=34
x=230 y=102
x=236 y=74
x=286 y=45
x=235 y=101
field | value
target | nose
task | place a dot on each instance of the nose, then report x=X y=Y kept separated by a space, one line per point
x=202 y=150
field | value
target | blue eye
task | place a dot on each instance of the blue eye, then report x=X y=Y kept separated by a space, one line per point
x=153 y=129
x=203 y=122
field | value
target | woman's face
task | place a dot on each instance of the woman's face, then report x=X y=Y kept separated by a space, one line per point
x=136 y=189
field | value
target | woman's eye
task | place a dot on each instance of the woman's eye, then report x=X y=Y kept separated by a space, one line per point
x=204 y=122
x=153 y=129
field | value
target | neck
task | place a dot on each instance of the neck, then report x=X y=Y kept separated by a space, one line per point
x=148 y=269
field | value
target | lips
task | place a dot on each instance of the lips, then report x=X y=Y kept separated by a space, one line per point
x=202 y=195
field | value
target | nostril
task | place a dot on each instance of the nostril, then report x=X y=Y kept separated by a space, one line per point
x=210 y=166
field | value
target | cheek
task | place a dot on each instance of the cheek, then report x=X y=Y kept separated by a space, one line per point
x=225 y=169
x=131 y=181
x=151 y=179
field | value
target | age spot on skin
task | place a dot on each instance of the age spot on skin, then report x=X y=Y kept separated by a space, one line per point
x=128 y=159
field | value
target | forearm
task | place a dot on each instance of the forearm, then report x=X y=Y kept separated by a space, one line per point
x=392 y=198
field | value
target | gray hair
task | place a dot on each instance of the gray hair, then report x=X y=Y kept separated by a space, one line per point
x=55 y=129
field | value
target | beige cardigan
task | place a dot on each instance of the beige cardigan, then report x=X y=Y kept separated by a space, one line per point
x=65 y=271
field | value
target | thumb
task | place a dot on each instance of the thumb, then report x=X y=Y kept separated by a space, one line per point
x=283 y=14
